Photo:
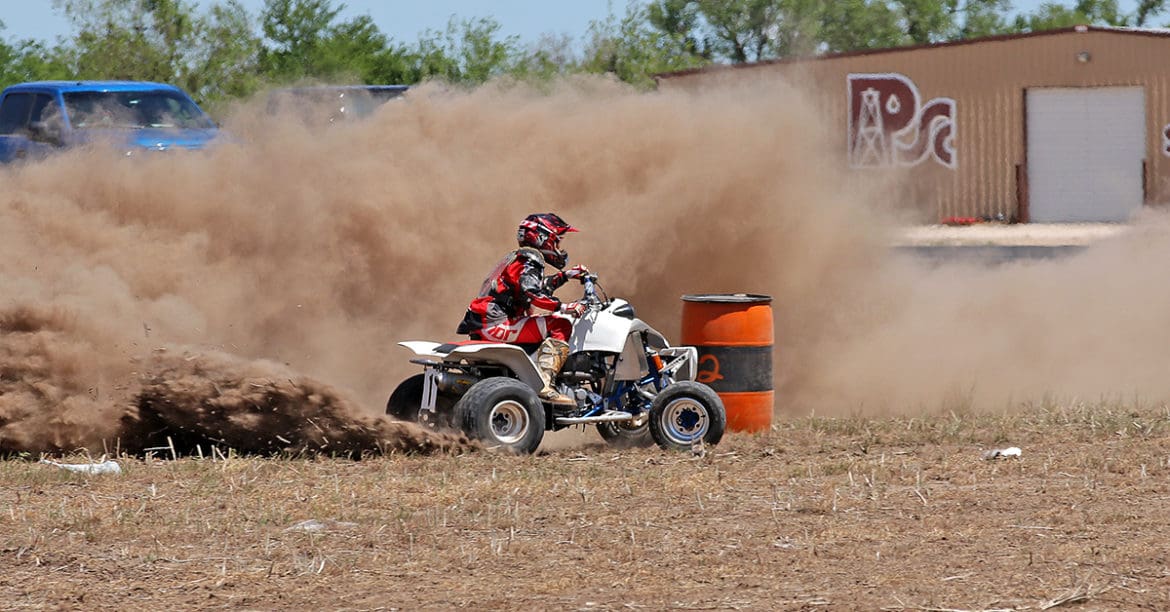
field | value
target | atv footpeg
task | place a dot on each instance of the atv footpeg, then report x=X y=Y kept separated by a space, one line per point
x=605 y=417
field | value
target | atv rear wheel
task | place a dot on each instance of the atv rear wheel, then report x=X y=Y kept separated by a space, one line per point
x=619 y=434
x=502 y=412
x=405 y=404
x=685 y=413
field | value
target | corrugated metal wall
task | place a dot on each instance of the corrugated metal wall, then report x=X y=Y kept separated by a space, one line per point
x=987 y=80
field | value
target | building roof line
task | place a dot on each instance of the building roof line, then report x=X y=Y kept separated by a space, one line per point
x=1078 y=29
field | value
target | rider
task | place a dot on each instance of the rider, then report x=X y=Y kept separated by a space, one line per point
x=500 y=313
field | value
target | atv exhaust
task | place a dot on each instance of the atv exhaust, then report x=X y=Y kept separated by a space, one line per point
x=452 y=383
x=607 y=417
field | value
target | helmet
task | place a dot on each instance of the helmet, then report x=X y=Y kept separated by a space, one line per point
x=543 y=232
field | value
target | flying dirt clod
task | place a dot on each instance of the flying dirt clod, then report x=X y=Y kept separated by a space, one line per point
x=188 y=401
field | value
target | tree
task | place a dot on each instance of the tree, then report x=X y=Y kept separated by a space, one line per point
x=216 y=53
x=468 y=51
x=305 y=40
x=294 y=32
x=209 y=55
x=744 y=30
x=849 y=25
x=481 y=55
x=29 y=60
x=928 y=21
x=1085 y=12
x=225 y=60
x=1145 y=10
x=633 y=50
x=754 y=30
x=986 y=18
x=680 y=20
x=549 y=57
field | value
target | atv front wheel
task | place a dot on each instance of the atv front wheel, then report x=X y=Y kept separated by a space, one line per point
x=405 y=404
x=685 y=413
x=502 y=412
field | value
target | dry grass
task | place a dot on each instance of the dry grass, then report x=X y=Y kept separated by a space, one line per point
x=894 y=514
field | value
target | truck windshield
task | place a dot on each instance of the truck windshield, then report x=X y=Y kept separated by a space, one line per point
x=133 y=110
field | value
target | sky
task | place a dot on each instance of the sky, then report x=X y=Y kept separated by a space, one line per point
x=401 y=20
x=404 y=21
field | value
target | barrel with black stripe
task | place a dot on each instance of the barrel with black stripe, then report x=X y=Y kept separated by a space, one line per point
x=733 y=333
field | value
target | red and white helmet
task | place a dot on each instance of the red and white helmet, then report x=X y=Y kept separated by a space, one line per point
x=543 y=232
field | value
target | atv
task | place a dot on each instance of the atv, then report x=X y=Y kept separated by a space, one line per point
x=625 y=377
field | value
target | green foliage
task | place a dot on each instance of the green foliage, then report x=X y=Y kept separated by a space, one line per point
x=468 y=51
x=928 y=21
x=633 y=50
x=850 y=25
x=679 y=20
x=303 y=39
x=30 y=60
x=742 y=29
x=295 y=30
x=986 y=18
x=217 y=50
x=211 y=55
x=1093 y=12
x=1145 y=10
x=549 y=57
x=226 y=55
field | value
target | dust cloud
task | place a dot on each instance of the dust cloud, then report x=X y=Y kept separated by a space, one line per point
x=279 y=268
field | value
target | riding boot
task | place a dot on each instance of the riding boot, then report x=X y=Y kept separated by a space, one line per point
x=550 y=356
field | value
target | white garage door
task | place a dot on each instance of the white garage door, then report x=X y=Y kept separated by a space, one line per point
x=1085 y=152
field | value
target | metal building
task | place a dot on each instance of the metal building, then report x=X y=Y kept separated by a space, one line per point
x=1068 y=125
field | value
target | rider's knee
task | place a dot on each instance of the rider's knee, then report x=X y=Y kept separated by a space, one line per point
x=559 y=329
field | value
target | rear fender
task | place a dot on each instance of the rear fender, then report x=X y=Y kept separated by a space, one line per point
x=508 y=355
x=422 y=349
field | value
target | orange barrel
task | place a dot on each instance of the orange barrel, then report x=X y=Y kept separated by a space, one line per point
x=733 y=333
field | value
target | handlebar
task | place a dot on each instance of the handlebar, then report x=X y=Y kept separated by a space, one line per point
x=590 y=296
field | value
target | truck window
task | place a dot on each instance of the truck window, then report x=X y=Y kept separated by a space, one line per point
x=40 y=103
x=14 y=112
x=133 y=110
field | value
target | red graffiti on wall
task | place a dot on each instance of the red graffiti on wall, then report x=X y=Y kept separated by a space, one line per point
x=888 y=125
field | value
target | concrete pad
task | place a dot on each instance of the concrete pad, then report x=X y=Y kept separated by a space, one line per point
x=1002 y=234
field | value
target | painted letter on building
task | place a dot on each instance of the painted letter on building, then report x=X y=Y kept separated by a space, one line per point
x=889 y=126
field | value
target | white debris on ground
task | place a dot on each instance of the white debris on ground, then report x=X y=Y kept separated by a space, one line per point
x=313 y=525
x=1002 y=453
x=1003 y=234
x=108 y=466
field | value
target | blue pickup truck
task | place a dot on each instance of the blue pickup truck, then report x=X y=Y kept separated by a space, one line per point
x=39 y=118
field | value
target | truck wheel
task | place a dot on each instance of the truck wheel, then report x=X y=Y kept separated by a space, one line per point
x=621 y=435
x=502 y=412
x=685 y=413
x=405 y=403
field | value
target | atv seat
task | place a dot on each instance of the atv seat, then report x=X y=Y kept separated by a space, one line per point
x=527 y=347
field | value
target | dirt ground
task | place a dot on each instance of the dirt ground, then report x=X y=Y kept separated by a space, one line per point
x=855 y=513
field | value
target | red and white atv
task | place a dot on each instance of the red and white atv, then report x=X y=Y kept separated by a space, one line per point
x=626 y=379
